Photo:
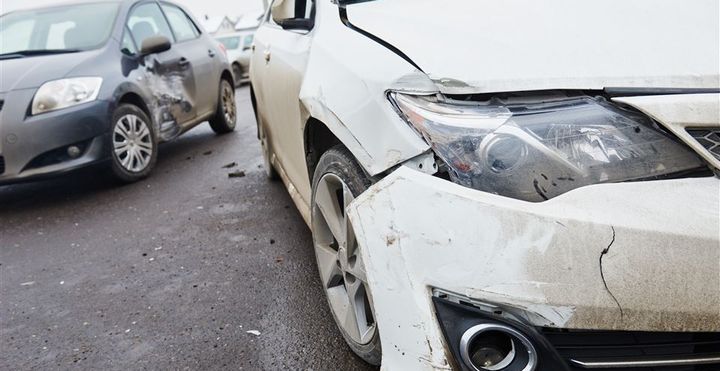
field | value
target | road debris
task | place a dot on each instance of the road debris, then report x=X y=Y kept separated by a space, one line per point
x=254 y=332
x=237 y=174
x=27 y=283
x=230 y=165
x=207 y=153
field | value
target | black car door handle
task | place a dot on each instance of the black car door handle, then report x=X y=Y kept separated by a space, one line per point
x=183 y=62
x=211 y=53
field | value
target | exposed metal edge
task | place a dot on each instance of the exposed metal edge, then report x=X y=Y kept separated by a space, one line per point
x=649 y=362
x=347 y=23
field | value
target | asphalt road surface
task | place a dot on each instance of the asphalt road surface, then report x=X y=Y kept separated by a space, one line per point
x=168 y=273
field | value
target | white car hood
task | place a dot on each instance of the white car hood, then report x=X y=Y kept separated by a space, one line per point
x=482 y=46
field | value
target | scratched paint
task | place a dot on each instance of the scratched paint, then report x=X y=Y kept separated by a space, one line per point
x=657 y=274
x=171 y=100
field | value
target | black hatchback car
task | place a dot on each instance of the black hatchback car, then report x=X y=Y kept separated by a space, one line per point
x=105 y=81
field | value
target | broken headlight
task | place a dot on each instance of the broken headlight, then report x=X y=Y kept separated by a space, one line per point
x=58 y=94
x=536 y=151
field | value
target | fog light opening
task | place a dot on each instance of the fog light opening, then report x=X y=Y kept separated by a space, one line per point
x=490 y=347
x=74 y=151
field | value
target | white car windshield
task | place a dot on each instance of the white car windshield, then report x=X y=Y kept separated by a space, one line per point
x=57 y=29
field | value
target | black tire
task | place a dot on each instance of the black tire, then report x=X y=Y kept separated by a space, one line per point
x=119 y=171
x=226 y=112
x=342 y=164
x=237 y=74
x=267 y=151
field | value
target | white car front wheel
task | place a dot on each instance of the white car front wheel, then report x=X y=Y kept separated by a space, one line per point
x=337 y=180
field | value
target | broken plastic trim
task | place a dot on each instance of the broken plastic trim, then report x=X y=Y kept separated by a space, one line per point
x=495 y=309
x=535 y=150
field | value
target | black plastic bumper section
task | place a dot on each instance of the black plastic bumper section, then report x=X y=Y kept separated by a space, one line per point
x=583 y=350
x=455 y=319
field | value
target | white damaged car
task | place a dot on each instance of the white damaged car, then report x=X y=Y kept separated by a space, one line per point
x=504 y=185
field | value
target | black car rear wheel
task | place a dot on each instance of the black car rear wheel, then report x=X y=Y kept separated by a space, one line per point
x=226 y=113
x=133 y=144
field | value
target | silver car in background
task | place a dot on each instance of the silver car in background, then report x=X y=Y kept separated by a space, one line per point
x=239 y=43
x=238 y=52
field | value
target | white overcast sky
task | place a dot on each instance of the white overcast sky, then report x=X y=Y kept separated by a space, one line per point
x=198 y=7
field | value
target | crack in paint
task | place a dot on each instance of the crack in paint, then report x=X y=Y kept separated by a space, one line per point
x=602 y=275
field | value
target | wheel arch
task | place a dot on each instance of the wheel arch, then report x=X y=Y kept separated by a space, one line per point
x=137 y=95
x=136 y=100
x=227 y=76
x=318 y=139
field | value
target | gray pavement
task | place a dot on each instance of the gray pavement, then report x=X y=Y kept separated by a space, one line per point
x=168 y=273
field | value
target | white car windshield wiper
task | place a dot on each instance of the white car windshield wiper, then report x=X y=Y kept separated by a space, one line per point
x=30 y=53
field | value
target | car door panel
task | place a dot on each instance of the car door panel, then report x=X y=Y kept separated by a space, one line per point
x=200 y=58
x=168 y=75
x=285 y=57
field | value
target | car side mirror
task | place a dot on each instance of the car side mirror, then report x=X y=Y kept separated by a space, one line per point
x=282 y=10
x=155 y=44
x=297 y=24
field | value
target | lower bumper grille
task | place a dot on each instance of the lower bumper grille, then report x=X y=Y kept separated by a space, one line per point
x=637 y=351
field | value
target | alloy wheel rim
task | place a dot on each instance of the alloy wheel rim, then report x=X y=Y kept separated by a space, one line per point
x=228 y=103
x=342 y=271
x=132 y=143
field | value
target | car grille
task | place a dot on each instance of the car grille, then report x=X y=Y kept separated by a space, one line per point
x=625 y=351
x=708 y=138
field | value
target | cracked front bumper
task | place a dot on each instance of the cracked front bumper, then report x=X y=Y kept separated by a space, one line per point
x=659 y=242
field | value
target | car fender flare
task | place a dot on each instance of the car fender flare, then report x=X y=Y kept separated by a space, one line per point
x=126 y=89
x=311 y=108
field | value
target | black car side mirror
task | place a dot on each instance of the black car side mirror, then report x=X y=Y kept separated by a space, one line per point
x=155 y=44
x=298 y=24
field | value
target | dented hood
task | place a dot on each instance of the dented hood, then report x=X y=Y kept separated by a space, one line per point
x=480 y=46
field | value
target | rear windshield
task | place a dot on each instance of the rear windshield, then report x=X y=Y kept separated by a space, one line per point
x=70 y=27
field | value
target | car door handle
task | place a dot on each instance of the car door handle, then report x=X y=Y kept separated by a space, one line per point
x=266 y=53
x=211 y=53
x=183 y=62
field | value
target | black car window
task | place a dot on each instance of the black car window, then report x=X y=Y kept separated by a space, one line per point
x=183 y=27
x=147 y=20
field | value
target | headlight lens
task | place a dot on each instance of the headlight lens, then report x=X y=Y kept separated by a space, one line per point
x=536 y=151
x=58 y=94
